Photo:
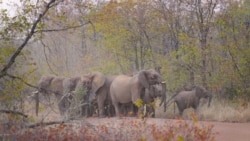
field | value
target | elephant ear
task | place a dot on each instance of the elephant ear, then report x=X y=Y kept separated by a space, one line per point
x=199 y=91
x=98 y=80
x=143 y=79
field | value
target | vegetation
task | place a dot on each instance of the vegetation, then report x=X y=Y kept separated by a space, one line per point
x=123 y=130
x=194 y=42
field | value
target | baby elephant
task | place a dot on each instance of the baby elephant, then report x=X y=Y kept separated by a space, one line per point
x=187 y=99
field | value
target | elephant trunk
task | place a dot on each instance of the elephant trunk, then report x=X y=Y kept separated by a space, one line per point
x=209 y=100
x=163 y=97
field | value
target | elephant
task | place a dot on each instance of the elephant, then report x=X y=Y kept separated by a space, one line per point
x=148 y=98
x=125 y=89
x=63 y=88
x=128 y=109
x=77 y=90
x=186 y=99
x=101 y=87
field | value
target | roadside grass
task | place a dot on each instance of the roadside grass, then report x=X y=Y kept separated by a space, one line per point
x=219 y=110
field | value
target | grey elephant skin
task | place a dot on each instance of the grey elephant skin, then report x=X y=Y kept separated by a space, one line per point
x=101 y=87
x=72 y=87
x=187 y=99
x=149 y=97
x=62 y=88
x=125 y=89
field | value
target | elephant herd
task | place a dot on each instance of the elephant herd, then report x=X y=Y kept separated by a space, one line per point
x=114 y=95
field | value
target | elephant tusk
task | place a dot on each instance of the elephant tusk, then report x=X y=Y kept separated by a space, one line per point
x=163 y=82
x=36 y=92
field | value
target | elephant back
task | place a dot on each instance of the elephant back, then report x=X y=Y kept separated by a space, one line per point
x=57 y=85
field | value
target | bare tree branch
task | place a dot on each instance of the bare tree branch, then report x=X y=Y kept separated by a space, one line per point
x=44 y=124
x=28 y=37
x=16 y=77
x=46 y=58
x=63 y=29
x=13 y=112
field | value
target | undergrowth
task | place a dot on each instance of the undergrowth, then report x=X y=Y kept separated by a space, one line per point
x=121 y=129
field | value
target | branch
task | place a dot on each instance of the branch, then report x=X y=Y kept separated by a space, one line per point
x=45 y=124
x=13 y=112
x=62 y=29
x=26 y=40
x=16 y=77
x=57 y=122
x=46 y=57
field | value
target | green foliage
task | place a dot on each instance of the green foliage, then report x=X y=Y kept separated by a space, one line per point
x=5 y=52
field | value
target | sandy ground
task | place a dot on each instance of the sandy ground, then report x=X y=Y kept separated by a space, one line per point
x=231 y=131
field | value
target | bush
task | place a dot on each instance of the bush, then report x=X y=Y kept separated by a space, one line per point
x=123 y=130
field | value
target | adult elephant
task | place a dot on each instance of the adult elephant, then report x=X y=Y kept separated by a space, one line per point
x=48 y=85
x=187 y=99
x=77 y=90
x=125 y=89
x=101 y=87
x=149 y=97
x=62 y=88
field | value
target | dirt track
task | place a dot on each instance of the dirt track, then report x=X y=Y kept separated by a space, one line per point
x=232 y=131
x=225 y=131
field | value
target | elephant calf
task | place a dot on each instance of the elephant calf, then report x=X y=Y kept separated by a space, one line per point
x=187 y=99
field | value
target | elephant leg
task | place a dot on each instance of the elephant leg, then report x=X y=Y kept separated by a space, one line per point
x=61 y=107
x=101 y=107
x=117 y=110
x=150 y=112
x=111 y=110
x=180 y=108
x=140 y=112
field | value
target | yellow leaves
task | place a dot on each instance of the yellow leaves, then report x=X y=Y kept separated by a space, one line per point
x=180 y=138
x=139 y=103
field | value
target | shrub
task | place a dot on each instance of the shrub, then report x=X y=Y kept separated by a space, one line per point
x=112 y=130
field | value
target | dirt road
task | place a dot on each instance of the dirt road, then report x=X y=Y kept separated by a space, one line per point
x=232 y=131
x=225 y=131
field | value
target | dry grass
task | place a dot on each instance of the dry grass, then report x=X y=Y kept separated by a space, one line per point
x=219 y=110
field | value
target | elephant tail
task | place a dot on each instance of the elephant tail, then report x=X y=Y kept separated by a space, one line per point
x=171 y=99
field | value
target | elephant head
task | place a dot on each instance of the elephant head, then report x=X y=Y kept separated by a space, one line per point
x=100 y=85
x=96 y=81
x=149 y=77
x=152 y=77
x=43 y=88
x=201 y=92
x=44 y=84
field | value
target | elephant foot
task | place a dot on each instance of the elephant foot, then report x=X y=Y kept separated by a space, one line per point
x=102 y=116
x=118 y=117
